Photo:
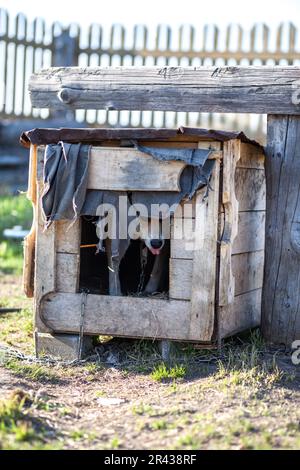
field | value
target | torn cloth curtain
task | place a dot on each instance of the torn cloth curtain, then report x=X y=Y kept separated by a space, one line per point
x=195 y=175
x=65 y=181
x=65 y=177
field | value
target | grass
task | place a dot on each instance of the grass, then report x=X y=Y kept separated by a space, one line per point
x=14 y=210
x=18 y=428
x=34 y=372
x=159 y=425
x=142 y=409
x=161 y=372
x=16 y=329
x=246 y=364
x=115 y=443
x=12 y=420
x=77 y=434
x=239 y=430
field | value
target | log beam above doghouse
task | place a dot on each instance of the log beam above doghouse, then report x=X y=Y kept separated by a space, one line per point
x=253 y=89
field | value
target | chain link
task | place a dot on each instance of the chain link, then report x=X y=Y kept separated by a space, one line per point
x=144 y=258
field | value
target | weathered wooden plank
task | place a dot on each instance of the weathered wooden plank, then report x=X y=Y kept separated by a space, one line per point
x=251 y=232
x=29 y=241
x=45 y=261
x=250 y=189
x=186 y=209
x=250 y=236
x=204 y=260
x=243 y=313
x=214 y=145
x=119 y=316
x=182 y=238
x=281 y=293
x=232 y=151
x=121 y=169
x=45 y=254
x=252 y=156
x=68 y=236
x=181 y=271
x=249 y=89
x=247 y=270
x=67 y=272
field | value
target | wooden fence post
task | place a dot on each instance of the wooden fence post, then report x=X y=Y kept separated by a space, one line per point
x=65 y=54
x=281 y=291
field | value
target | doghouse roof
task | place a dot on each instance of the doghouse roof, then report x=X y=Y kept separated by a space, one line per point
x=86 y=135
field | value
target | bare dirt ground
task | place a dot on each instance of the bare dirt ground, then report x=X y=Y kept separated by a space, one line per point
x=246 y=398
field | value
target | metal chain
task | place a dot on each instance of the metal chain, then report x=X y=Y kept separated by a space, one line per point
x=81 y=326
x=144 y=257
x=7 y=353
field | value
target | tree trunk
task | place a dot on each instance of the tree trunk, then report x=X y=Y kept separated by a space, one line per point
x=281 y=291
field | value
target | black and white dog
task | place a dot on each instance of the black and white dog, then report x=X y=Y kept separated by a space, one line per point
x=154 y=241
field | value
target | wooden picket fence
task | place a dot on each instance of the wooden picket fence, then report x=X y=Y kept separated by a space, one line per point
x=27 y=46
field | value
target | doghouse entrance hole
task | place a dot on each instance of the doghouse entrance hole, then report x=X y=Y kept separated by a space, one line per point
x=94 y=273
x=93 y=266
x=134 y=276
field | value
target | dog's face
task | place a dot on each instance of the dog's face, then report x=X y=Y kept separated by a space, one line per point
x=154 y=232
x=154 y=245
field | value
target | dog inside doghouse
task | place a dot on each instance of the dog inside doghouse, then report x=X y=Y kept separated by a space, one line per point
x=135 y=265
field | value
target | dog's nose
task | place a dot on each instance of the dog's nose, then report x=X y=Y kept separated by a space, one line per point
x=156 y=243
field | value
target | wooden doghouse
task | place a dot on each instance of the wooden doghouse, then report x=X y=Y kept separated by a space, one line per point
x=214 y=290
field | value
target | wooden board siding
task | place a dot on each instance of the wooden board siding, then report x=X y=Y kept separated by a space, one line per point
x=29 y=240
x=242 y=314
x=204 y=280
x=45 y=264
x=251 y=232
x=251 y=156
x=67 y=272
x=250 y=236
x=128 y=169
x=247 y=270
x=119 y=316
x=250 y=189
x=125 y=169
x=230 y=205
x=68 y=235
x=181 y=271
x=247 y=247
